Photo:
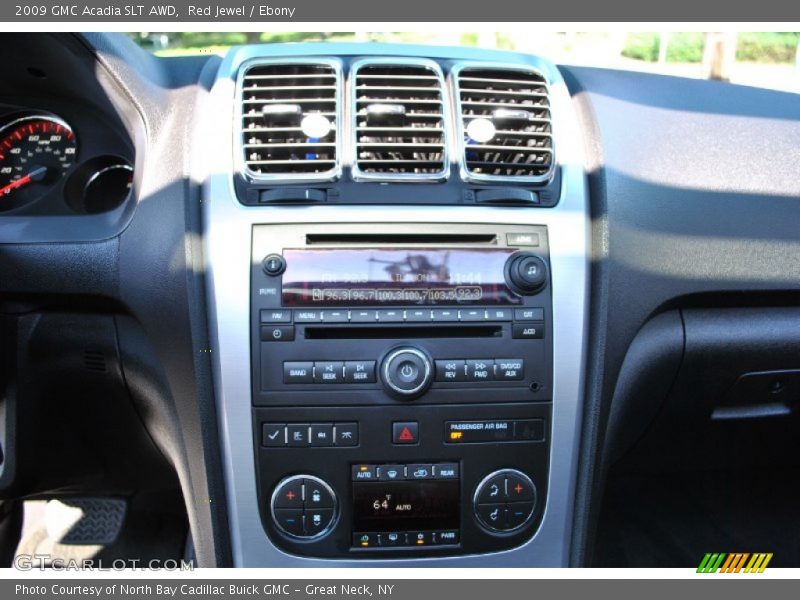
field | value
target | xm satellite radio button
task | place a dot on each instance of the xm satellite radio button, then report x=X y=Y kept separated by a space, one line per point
x=390 y=315
x=509 y=369
x=529 y=314
x=275 y=315
x=328 y=372
x=307 y=316
x=289 y=494
x=451 y=370
x=274 y=265
x=363 y=316
x=444 y=315
x=289 y=520
x=472 y=314
x=365 y=473
x=480 y=370
x=406 y=372
x=334 y=316
x=406 y=432
x=492 y=489
x=527 y=331
x=359 y=371
x=298 y=372
x=322 y=435
x=492 y=515
x=345 y=434
x=522 y=239
x=391 y=472
x=445 y=471
x=297 y=435
x=273 y=435
x=418 y=315
x=277 y=333
x=498 y=314
x=419 y=471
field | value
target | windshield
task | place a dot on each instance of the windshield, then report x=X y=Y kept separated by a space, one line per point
x=761 y=59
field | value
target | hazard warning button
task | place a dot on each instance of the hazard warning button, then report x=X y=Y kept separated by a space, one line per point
x=406 y=432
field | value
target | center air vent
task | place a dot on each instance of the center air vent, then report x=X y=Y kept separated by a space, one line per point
x=505 y=123
x=290 y=120
x=400 y=120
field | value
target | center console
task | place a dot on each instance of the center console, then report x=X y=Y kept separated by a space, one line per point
x=401 y=385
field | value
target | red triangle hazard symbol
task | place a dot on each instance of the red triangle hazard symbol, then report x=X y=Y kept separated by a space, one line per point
x=406 y=435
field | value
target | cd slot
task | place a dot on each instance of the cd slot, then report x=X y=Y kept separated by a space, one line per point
x=403 y=332
x=380 y=239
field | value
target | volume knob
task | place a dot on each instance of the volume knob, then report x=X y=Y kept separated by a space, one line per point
x=406 y=372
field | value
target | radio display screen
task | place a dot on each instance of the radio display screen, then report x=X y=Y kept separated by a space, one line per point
x=405 y=505
x=399 y=277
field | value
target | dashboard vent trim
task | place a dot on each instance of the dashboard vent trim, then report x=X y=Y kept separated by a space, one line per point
x=273 y=97
x=514 y=101
x=392 y=102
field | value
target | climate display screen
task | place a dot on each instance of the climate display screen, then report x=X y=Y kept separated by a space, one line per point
x=400 y=277
x=405 y=505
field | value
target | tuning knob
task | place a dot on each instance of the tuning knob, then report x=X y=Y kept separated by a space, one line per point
x=526 y=273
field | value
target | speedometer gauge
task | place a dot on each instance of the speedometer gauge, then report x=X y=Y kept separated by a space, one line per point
x=35 y=152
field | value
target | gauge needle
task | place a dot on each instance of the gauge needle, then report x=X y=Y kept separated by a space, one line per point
x=36 y=175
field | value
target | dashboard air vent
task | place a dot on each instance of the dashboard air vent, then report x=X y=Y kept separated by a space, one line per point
x=290 y=120
x=505 y=123
x=400 y=120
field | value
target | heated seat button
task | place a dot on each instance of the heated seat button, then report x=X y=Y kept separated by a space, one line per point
x=480 y=370
x=450 y=370
x=492 y=515
x=328 y=372
x=519 y=488
x=289 y=494
x=298 y=372
x=359 y=371
x=406 y=432
x=290 y=520
x=509 y=369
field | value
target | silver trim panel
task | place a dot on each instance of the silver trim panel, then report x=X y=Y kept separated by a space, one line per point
x=227 y=232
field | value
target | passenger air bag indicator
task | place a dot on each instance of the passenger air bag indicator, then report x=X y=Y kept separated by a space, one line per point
x=465 y=432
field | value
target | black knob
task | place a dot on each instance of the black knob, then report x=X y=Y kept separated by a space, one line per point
x=526 y=273
x=406 y=372
x=274 y=265
x=303 y=506
x=504 y=501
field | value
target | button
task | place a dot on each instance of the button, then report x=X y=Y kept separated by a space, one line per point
x=307 y=316
x=419 y=472
x=472 y=314
x=322 y=435
x=359 y=371
x=446 y=537
x=364 y=473
x=498 y=314
x=289 y=494
x=277 y=333
x=529 y=430
x=492 y=490
x=290 y=520
x=529 y=314
x=363 y=316
x=480 y=370
x=450 y=370
x=273 y=434
x=298 y=372
x=391 y=472
x=492 y=515
x=444 y=315
x=365 y=540
x=328 y=372
x=390 y=315
x=406 y=432
x=317 y=520
x=406 y=372
x=509 y=369
x=527 y=331
x=297 y=435
x=522 y=239
x=517 y=513
x=317 y=495
x=334 y=316
x=345 y=434
x=393 y=538
x=520 y=489
x=419 y=538
x=418 y=315
x=445 y=471
x=275 y=315
x=274 y=265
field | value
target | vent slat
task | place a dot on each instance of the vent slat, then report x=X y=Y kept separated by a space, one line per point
x=407 y=139
x=273 y=142
x=509 y=110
